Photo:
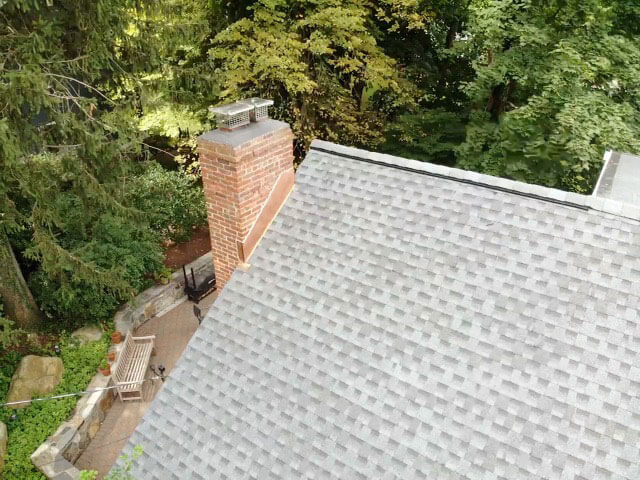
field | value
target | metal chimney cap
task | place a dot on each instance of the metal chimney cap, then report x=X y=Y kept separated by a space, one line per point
x=260 y=108
x=258 y=102
x=242 y=112
x=231 y=109
x=233 y=115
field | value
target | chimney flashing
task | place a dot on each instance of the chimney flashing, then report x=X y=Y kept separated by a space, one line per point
x=245 y=134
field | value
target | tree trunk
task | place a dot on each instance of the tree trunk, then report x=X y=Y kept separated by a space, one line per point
x=18 y=301
x=451 y=33
x=499 y=99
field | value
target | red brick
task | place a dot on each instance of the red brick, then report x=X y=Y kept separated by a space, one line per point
x=237 y=181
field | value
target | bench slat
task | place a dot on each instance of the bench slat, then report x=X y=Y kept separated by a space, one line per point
x=137 y=365
x=122 y=360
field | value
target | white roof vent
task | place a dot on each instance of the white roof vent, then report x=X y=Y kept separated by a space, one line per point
x=240 y=113
x=620 y=178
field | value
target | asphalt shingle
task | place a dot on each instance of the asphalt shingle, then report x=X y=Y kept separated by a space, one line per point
x=399 y=325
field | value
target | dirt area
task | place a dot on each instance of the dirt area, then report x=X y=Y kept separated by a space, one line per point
x=180 y=254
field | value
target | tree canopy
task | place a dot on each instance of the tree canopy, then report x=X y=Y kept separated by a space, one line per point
x=321 y=62
x=556 y=84
x=92 y=91
x=70 y=96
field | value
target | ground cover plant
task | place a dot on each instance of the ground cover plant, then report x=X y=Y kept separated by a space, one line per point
x=32 y=425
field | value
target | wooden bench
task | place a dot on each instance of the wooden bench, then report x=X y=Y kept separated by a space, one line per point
x=132 y=366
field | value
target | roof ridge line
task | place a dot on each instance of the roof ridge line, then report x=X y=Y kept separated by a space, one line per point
x=552 y=195
x=467 y=177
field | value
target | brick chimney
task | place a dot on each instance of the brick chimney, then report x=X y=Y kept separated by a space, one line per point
x=247 y=174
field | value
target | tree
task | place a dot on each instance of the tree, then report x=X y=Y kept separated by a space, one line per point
x=428 y=134
x=65 y=147
x=176 y=89
x=14 y=292
x=434 y=62
x=321 y=63
x=557 y=83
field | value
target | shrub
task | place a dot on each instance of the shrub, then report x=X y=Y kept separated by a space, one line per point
x=72 y=304
x=8 y=363
x=35 y=423
x=116 y=244
x=9 y=335
x=172 y=201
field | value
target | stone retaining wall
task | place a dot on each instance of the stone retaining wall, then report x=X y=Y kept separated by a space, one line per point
x=55 y=457
x=159 y=299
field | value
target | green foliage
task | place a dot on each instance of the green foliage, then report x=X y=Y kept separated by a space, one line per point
x=39 y=420
x=8 y=363
x=83 y=84
x=65 y=146
x=175 y=92
x=173 y=201
x=119 y=472
x=430 y=135
x=557 y=83
x=173 y=127
x=170 y=121
x=113 y=244
x=321 y=63
x=9 y=334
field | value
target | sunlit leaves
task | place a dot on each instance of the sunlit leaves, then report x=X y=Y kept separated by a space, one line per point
x=560 y=84
x=320 y=61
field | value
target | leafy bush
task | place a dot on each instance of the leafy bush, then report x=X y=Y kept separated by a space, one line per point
x=9 y=335
x=172 y=201
x=8 y=363
x=429 y=135
x=134 y=252
x=38 y=421
x=72 y=304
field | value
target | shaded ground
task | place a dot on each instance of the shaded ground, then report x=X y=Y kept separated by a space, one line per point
x=173 y=331
x=177 y=255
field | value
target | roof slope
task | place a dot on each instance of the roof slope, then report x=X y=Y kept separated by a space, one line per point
x=395 y=324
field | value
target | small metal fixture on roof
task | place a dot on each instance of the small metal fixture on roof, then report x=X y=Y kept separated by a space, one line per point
x=260 y=108
x=233 y=115
x=241 y=113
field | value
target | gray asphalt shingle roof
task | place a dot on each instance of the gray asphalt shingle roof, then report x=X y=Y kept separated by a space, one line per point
x=402 y=325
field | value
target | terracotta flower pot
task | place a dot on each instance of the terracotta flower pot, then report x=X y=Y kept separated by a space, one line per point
x=116 y=337
x=105 y=371
x=111 y=356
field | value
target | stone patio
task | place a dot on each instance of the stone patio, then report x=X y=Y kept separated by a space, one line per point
x=173 y=331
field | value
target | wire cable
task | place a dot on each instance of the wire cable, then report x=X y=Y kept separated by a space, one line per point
x=91 y=447
x=72 y=394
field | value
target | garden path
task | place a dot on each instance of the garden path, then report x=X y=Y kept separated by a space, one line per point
x=173 y=331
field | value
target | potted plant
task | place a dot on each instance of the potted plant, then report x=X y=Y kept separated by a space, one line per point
x=116 y=337
x=111 y=356
x=105 y=368
x=164 y=276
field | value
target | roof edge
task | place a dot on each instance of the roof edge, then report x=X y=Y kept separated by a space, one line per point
x=569 y=199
